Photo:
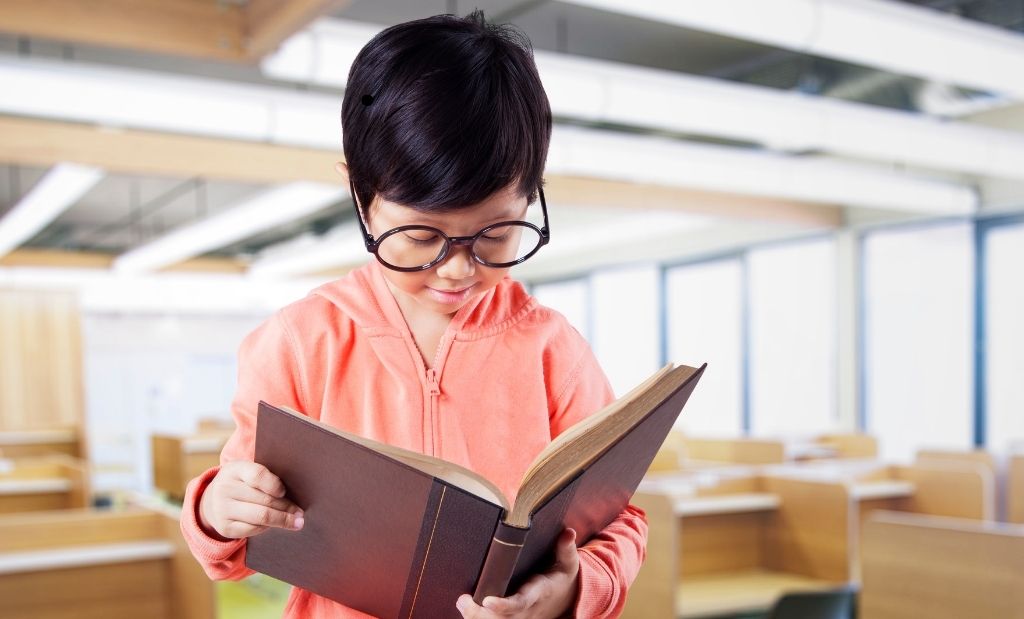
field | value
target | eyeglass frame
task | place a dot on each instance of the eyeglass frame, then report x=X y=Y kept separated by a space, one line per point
x=373 y=245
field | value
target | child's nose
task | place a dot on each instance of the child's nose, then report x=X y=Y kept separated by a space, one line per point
x=458 y=265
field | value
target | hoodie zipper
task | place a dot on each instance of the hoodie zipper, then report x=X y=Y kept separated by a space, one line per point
x=434 y=389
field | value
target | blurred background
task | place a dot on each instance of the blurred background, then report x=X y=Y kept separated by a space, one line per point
x=823 y=199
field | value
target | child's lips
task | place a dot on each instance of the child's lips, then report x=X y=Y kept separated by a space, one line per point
x=450 y=296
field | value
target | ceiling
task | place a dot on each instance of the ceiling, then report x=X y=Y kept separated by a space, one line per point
x=124 y=211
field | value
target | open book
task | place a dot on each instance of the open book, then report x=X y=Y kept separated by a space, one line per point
x=395 y=533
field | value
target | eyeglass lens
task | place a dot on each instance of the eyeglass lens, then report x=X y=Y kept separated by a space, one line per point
x=420 y=246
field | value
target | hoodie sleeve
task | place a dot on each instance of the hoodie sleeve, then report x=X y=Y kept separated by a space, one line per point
x=609 y=562
x=268 y=369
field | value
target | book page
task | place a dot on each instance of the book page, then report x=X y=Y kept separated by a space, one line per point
x=442 y=469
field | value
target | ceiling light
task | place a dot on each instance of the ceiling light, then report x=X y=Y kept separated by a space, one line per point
x=57 y=191
x=268 y=209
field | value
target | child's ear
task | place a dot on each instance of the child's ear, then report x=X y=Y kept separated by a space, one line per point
x=342 y=168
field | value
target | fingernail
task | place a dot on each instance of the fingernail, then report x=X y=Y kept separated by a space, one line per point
x=299 y=521
x=462 y=604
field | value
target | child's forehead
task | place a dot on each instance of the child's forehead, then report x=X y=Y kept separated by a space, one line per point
x=498 y=207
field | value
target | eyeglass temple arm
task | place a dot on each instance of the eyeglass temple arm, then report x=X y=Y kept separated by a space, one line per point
x=367 y=237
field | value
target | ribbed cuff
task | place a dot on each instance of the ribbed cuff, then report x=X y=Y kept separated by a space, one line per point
x=206 y=548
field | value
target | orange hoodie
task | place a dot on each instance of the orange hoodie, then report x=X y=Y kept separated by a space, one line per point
x=509 y=376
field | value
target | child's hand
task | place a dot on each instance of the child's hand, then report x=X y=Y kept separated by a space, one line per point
x=245 y=499
x=548 y=595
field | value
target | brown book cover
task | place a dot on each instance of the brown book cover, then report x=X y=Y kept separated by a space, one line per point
x=394 y=533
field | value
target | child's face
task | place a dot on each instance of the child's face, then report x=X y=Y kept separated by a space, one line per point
x=447 y=286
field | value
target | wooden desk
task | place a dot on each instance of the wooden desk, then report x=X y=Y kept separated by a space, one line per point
x=1015 y=490
x=941 y=568
x=737 y=545
x=776 y=451
x=854 y=445
x=43 y=483
x=30 y=443
x=737 y=451
x=178 y=459
x=87 y=564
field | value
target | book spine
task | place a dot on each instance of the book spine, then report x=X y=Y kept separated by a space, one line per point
x=501 y=561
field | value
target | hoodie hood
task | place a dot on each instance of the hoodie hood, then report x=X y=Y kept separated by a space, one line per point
x=364 y=296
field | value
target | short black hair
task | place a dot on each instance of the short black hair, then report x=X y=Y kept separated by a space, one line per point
x=441 y=113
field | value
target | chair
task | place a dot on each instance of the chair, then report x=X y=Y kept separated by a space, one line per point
x=834 y=604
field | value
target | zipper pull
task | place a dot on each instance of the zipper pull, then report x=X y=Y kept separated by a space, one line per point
x=435 y=387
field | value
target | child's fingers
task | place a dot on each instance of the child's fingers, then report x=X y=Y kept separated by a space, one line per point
x=471 y=610
x=236 y=530
x=248 y=494
x=260 y=477
x=566 y=554
x=263 y=516
x=528 y=595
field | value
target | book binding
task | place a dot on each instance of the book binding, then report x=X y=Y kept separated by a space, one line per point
x=500 y=563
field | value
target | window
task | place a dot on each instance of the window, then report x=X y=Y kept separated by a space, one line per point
x=625 y=324
x=570 y=299
x=1004 y=341
x=704 y=305
x=918 y=332
x=793 y=339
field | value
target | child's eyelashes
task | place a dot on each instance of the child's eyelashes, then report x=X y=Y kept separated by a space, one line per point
x=495 y=238
x=422 y=238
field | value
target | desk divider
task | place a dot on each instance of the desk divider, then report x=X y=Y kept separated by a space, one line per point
x=1015 y=490
x=941 y=568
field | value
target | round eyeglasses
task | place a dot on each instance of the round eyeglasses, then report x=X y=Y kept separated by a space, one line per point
x=418 y=248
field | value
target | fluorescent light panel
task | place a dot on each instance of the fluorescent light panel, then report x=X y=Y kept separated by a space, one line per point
x=339 y=247
x=886 y=35
x=270 y=208
x=56 y=191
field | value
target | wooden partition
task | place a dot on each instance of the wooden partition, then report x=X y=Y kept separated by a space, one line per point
x=938 y=488
x=87 y=564
x=43 y=483
x=177 y=459
x=40 y=360
x=738 y=451
x=1015 y=490
x=735 y=544
x=975 y=456
x=941 y=568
